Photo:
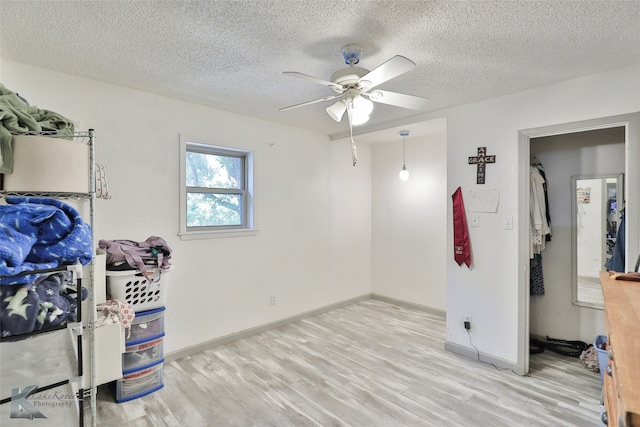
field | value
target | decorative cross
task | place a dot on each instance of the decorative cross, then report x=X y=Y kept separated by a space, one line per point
x=481 y=159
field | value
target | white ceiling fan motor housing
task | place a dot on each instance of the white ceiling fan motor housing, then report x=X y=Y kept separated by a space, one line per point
x=348 y=77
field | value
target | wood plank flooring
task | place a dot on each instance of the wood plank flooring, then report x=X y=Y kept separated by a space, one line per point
x=365 y=365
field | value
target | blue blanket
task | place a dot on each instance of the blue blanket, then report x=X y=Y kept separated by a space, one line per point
x=39 y=233
x=48 y=302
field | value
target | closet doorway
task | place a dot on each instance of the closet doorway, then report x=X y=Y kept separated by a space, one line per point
x=594 y=148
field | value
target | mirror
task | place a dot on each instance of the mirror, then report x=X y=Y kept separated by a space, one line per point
x=596 y=213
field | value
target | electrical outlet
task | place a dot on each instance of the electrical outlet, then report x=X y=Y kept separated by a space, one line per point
x=467 y=322
x=272 y=299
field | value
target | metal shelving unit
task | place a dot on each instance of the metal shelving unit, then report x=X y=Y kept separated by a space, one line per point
x=32 y=350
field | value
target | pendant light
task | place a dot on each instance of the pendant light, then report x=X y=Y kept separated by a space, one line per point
x=404 y=173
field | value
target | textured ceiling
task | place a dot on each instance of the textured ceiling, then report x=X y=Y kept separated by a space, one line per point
x=231 y=54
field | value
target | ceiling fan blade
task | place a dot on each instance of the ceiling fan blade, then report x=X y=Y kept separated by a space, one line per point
x=332 y=85
x=390 y=69
x=326 y=98
x=399 y=99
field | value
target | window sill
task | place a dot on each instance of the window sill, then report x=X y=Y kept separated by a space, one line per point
x=217 y=234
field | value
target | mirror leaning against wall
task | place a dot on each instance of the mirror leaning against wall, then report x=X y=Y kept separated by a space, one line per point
x=597 y=217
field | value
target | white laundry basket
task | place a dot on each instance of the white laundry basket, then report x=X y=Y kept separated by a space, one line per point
x=142 y=291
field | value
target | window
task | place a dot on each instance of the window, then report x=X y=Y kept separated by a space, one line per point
x=217 y=190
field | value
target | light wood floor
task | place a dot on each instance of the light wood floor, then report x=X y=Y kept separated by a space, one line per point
x=368 y=364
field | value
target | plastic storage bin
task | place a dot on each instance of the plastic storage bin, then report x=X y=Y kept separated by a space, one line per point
x=140 y=383
x=143 y=355
x=143 y=292
x=603 y=356
x=37 y=164
x=147 y=325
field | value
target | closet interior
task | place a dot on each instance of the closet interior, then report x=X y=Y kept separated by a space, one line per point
x=564 y=160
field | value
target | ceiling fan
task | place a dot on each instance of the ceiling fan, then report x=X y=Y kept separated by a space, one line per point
x=355 y=88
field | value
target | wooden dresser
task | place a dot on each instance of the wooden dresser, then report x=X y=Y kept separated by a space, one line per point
x=622 y=377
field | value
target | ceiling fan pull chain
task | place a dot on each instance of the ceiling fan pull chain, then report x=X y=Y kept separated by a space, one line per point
x=354 y=149
x=354 y=152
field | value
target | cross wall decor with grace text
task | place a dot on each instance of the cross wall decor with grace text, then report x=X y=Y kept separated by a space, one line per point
x=481 y=159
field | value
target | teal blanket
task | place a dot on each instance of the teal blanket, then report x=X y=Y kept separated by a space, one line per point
x=18 y=117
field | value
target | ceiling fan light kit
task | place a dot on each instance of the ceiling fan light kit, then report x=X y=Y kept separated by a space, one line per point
x=336 y=111
x=352 y=85
x=361 y=109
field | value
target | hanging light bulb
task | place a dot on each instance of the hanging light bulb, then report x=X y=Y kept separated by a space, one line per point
x=404 y=173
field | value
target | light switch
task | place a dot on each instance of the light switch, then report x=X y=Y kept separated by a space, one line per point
x=508 y=223
x=475 y=220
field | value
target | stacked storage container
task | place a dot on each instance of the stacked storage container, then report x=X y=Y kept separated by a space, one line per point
x=142 y=361
x=137 y=273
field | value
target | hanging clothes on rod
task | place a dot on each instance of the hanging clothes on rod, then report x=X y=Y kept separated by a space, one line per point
x=540 y=225
x=538 y=164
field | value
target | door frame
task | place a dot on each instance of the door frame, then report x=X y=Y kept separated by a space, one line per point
x=631 y=122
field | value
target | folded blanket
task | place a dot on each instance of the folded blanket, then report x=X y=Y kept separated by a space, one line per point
x=40 y=233
x=54 y=308
x=18 y=117
x=49 y=301
x=19 y=309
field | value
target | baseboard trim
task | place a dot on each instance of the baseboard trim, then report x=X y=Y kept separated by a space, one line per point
x=473 y=354
x=413 y=305
x=188 y=351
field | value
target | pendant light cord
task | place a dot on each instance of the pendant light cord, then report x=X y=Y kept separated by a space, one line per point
x=404 y=151
x=404 y=173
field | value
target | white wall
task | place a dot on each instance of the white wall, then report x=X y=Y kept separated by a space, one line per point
x=314 y=244
x=408 y=217
x=489 y=291
x=563 y=156
x=318 y=250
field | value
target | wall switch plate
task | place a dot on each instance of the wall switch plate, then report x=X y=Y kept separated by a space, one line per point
x=272 y=299
x=508 y=223
x=475 y=220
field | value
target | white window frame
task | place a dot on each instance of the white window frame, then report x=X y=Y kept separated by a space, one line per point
x=249 y=200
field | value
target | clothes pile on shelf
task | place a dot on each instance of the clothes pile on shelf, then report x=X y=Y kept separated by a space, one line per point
x=130 y=255
x=18 y=117
x=38 y=238
x=39 y=233
x=46 y=303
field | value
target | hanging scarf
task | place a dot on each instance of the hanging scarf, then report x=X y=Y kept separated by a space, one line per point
x=461 y=248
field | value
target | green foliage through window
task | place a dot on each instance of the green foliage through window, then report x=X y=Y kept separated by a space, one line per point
x=216 y=187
